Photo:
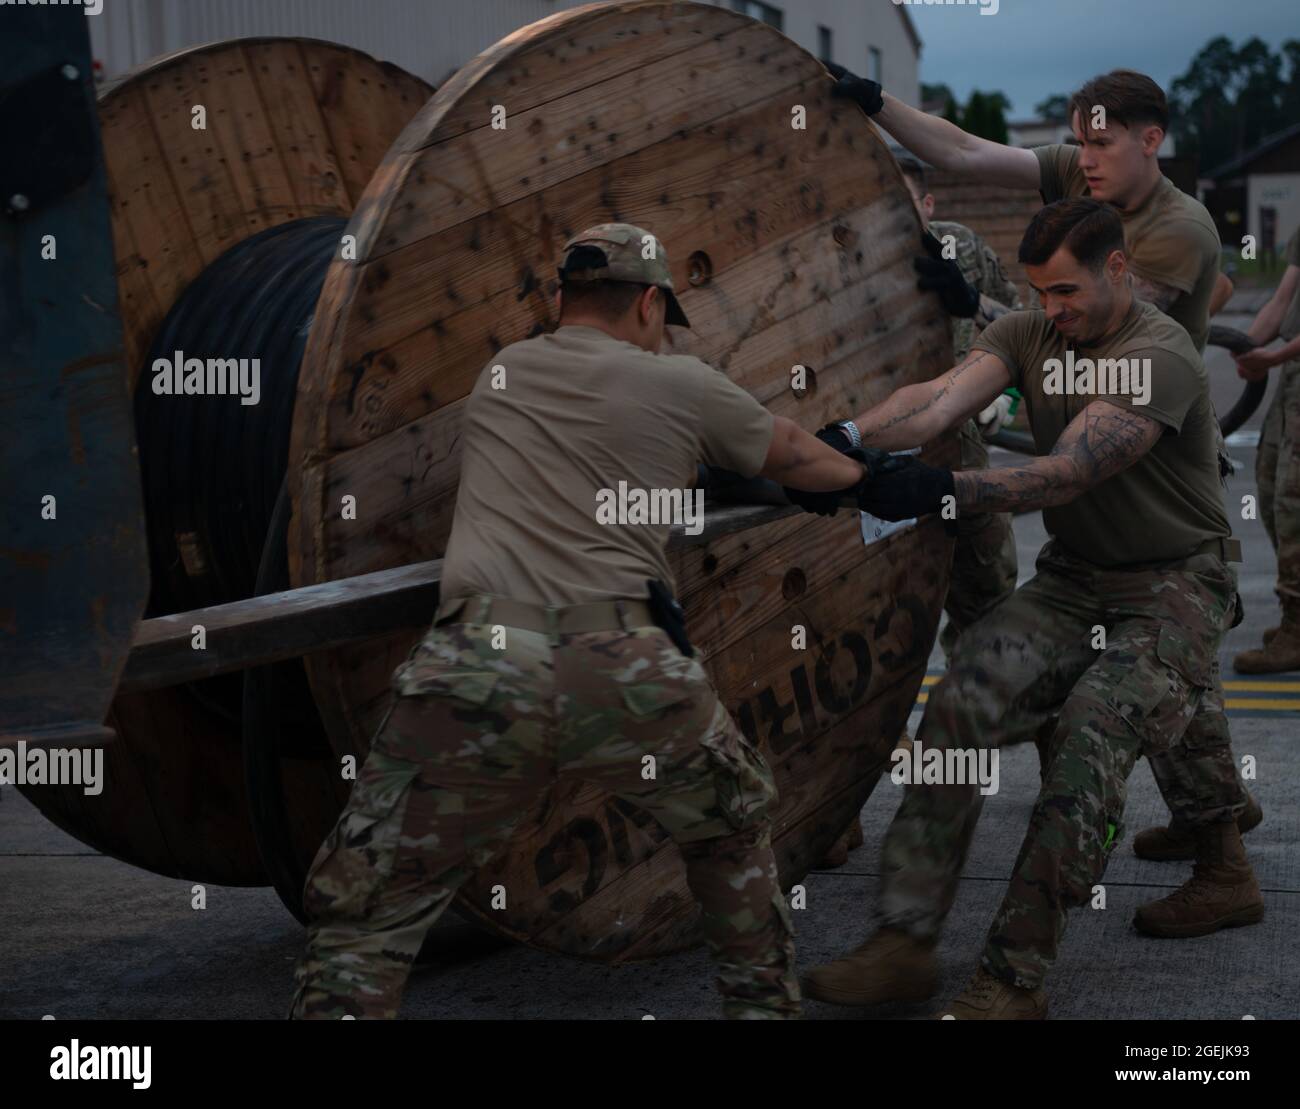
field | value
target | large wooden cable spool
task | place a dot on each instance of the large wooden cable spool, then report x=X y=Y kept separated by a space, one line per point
x=791 y=246
x=294 y=130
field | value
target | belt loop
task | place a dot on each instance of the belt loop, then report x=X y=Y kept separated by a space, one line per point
x=484 y=607
x=553 y=625
x=621 y=609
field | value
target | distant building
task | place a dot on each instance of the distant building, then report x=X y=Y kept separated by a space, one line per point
x=434 y=38
x=1259 y=193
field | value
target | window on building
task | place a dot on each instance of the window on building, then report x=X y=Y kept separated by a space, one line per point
x=875 y=66
x=756 y=9
x=824 y=44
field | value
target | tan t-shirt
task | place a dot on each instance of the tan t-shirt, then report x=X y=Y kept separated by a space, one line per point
x=1169 y=238
x=1168 y=502
x=1290 y=327
x=580 y=413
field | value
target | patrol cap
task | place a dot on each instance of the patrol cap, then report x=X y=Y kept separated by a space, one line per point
x=620 y=256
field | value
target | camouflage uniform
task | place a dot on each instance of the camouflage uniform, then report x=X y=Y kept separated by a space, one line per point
x=1032 y=660
x=475 y=738
x=984 y=560
x=1277 y=471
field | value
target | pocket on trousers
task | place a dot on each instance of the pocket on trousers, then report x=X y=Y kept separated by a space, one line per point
x=432 y=679
x=359 y=854
x=743 y=782
x=1159 y=695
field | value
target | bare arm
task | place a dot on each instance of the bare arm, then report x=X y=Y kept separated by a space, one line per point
x=802 y=461
x=947 y=146
x=915 y=414
x=1266 y=324
x=1221 y=295
x=1099 y=442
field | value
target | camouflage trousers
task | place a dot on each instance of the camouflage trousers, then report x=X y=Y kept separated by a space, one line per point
x=1032 y=659
x=476 y=737
x=984 y=563
x=1277 y=473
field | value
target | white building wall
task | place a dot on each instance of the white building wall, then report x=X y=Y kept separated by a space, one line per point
x=433 y=38
x=1273 y=190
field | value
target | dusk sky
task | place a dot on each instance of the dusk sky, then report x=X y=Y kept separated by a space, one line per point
x=1033 y=48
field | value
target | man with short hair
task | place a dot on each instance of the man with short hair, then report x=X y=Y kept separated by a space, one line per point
x=596 y=679
x=1114 y=636
x=1119 y=120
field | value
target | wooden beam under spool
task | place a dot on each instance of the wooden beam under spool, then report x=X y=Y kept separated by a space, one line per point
x=280 y=626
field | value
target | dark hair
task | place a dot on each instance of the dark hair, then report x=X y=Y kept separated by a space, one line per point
x=1087 y=228
x=913 y=171
x=1129 y=97
x=608 y=299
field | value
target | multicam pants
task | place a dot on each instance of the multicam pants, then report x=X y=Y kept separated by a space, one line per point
x=1034 y=658
x=984 y=560
x=475 y=738
x=1277 y=472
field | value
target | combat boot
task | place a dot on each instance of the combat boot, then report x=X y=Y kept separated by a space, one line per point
x=890 y=966
x=1222 y=892
x=1281 y=650
x=1178 y=841
x=990 y=998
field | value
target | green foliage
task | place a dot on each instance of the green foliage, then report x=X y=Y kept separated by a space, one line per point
x=1229 y=98
x=985 y=115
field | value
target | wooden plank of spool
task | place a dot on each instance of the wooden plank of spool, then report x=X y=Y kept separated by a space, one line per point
x=791 y=246
x=294 y=128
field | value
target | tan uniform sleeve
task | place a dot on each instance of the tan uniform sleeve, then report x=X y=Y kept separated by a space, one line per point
x=735 y=431
x=1176 y=254
x=1009 y=338
x=1058 y=172
x=1174 y=386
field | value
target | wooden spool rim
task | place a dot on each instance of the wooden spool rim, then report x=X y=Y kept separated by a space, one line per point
x=833 y=246
x=174 y=801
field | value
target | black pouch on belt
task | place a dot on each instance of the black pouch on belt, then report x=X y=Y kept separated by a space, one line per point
x=669 y=615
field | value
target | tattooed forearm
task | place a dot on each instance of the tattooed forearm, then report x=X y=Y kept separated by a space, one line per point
x=908 y=417
x=1101 y=441
x=1153 y=292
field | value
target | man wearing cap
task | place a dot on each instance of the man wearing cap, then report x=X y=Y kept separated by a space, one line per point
x=557 y=653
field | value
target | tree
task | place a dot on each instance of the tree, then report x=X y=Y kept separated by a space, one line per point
x=1230 y=98
x=985 y=115
x=1053 y=108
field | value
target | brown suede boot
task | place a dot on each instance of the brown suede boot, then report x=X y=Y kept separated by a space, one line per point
x=1222 y=892
x=1178 y=841
x=1280 y=653
x=989 y=998
x=890 y=966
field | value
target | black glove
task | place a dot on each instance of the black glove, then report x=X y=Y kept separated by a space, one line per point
x=904 y=488
x=835 y=436
x=867 y=94
x=827 y=504
x=943 y=275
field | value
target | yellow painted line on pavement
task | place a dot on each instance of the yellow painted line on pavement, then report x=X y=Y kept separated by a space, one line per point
x=1262 y=687
x=1276 y=703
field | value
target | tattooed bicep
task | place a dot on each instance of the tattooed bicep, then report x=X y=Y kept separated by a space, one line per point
x=1106 y=438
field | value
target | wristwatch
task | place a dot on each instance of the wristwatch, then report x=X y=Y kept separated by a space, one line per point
x=851 y=430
